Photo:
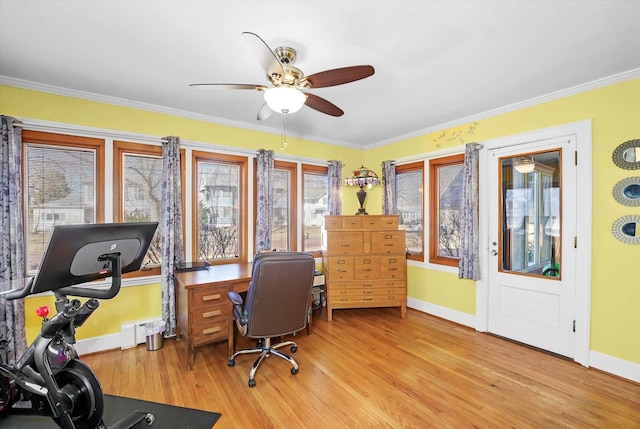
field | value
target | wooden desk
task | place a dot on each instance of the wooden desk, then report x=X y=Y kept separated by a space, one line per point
x=203 y=310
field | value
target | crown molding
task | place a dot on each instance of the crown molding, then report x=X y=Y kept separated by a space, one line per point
x=574 y=90
x=90 y=96
x=577 y=89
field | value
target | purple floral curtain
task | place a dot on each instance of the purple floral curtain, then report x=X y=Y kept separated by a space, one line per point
x=264 y=196
x=12 y=263
x=335 y=187
x=468 y=267
x=171 y=229
x=389 y=188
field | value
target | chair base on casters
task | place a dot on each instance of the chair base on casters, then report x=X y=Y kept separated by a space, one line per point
x=265 y=351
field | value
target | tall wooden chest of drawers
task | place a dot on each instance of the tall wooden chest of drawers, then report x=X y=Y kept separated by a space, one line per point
x=364 y=262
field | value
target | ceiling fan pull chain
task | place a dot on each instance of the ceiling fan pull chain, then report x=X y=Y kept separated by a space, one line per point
x=283 y=145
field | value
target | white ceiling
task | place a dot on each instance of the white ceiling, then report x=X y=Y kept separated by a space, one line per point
x=436 y=62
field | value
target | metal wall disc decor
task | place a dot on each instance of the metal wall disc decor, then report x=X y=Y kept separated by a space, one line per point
x=627 y=229
x=627 y=155
x=627 y=191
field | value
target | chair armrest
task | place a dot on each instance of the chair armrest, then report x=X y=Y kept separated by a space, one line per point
x=235 y=297
x=238 y=307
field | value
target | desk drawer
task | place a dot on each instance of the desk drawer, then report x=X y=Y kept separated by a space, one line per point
x=211 y=315
x=209 y=297
x=204 y=333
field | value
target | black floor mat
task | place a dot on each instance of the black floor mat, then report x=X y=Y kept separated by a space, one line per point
x=117 y=407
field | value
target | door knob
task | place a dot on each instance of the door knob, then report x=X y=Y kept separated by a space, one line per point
x=494 y=252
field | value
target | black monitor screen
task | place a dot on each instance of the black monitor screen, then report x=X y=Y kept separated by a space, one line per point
x=73 y=253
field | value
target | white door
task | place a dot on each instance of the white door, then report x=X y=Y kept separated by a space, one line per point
x=532 y=256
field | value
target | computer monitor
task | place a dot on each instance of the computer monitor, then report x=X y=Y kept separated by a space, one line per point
x=73 y=254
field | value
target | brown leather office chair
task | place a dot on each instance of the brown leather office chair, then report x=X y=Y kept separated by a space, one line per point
x=277 y=304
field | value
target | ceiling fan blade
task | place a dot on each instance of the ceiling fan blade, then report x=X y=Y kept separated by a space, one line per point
x=228 y=86
x=322 y=105
x=263 y=53
x=264 y=112
x=339 y=76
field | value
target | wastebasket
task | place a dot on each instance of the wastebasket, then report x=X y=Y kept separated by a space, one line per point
x=153 y=332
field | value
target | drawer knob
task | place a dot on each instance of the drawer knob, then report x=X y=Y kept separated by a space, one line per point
x=211 y=313
x=211 y=297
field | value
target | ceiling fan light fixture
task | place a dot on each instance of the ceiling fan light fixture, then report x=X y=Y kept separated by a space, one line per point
x=284 y=99
x=524 y=165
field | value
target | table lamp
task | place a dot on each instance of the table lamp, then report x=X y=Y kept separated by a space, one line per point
x=362 y=177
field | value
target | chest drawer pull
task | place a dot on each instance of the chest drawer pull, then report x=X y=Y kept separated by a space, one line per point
x=388 y=236
x=211 y=313
x=211 y=330
x=345 y=245
x=211 y=297
x=367 y=269
x=392 y=261
x=388 y=244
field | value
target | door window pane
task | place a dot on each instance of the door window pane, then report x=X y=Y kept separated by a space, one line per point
x=530 y=232
x=218 y=211
x=60 y=190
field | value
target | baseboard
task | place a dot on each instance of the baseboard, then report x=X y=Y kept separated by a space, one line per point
x=615 y=366
x=98 y=344
x=443 y=312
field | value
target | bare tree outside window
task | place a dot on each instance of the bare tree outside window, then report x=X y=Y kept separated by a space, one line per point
x=218 y=211
x=280 y=217
x=315 y=207
x=142 y=196
x=410 y=206
x=60 y=190
x=446 y=179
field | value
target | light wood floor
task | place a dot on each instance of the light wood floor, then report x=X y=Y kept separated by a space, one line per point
x=372 y=369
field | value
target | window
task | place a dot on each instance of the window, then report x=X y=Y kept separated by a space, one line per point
x=445 y=201
x=410 y=206
x=283 y=228
x=219 y=207
x=62 y=185
x=137 y=189
x=315 y=193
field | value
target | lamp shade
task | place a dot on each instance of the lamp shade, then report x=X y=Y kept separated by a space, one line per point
x=284 y=99
x=362 y=177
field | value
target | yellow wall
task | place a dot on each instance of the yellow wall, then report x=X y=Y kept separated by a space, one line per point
x=615 y=115
x=132 y=303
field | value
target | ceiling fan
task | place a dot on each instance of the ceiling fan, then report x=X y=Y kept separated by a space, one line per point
x=288 y=85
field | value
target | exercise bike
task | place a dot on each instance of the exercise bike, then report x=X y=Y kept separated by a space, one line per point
x=49 y=379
